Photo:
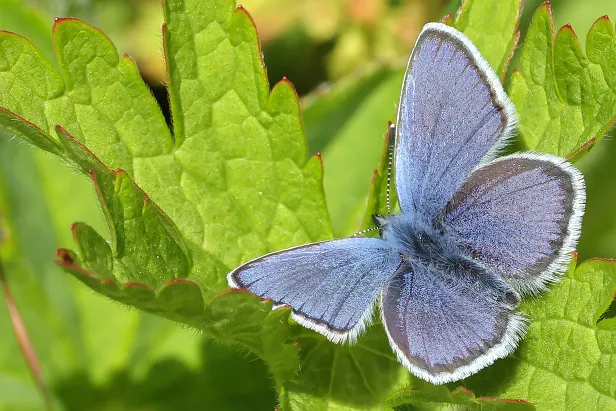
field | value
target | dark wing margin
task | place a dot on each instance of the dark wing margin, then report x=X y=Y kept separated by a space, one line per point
x=453 y=116
x=331 y=286
x=520 y=216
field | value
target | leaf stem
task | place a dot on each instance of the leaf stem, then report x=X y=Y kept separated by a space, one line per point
x=23 y=340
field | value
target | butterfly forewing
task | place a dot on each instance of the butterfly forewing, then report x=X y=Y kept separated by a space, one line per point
x=520 y=216
x=331 y=286
x=453 y=114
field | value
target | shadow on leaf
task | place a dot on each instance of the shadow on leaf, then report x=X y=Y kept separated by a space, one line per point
x=225 y=380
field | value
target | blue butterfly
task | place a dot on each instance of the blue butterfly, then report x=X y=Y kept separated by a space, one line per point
x=475 y=232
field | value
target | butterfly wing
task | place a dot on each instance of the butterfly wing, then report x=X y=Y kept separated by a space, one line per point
x=453 y=114
x=446 y=325
x=520 y=217
x=331 y=286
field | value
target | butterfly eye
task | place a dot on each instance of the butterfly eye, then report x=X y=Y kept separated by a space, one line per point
x=512 y=298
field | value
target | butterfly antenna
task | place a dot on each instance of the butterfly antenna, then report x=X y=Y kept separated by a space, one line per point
x=367 y=230
x=390 y=154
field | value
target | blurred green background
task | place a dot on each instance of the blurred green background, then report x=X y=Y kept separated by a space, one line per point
x=345 y=58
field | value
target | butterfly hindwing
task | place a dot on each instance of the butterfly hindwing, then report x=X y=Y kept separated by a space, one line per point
x=331 y=286
x=520 y=216
x=453 y=114
x=446 y=324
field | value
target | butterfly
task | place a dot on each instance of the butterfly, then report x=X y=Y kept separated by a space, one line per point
x=474 y=233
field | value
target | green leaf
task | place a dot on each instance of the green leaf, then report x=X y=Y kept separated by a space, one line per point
x=349 y=377
x=327 y=109
x=234 y=179
x=17 y=17
x=95 y=354
x=566 y=100
x=568 y=358
x=493 y=27
x=71 y=328
x=458 y=397
x=242 y=148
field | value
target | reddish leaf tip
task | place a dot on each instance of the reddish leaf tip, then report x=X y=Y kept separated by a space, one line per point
x=546 y=6
x=285 y=81
x=585 y=146
x=605 y=18
x=320 y=160
x=232 y=291
x=465 y=390
x=242 y=9
x=375 y=174
x=296 y=343
x=71 y=265
x=74 y=230
x=568 y=28
x=64 y=255
x=136 y=285
x=125 y=56
x=181 y=281
x=175 y=281
x=61 y=20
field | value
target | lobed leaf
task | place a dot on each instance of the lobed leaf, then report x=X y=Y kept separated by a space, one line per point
x=568 y=359
x=566 y=100
x=83 y=341
x=233 y=180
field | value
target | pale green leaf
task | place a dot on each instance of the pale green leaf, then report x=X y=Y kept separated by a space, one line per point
x=566 y=99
